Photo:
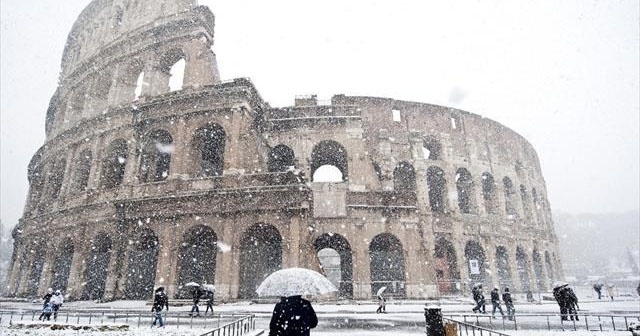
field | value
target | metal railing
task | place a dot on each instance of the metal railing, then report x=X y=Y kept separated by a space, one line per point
x=463 y=328
x=236 y=328
x=589 y=322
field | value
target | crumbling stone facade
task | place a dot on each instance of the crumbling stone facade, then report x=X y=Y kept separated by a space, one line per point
x=139 y=184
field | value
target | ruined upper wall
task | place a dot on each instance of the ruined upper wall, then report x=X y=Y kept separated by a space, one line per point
x=105 y=21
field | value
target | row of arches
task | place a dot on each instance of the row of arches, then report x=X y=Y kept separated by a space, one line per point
x=260 y=250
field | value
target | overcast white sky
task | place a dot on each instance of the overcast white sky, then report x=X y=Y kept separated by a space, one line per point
x=564 y=74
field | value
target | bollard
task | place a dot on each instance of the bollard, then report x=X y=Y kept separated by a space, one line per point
x=433 y=319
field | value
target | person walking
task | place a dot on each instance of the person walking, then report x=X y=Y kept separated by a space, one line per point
x=197 y=293
x=45 y=301
x=56 y=302
x=209 y=296
x=598 y=288
x=382 y=306
x=558 y=294
x=508 y=302
x=478 y=297
x=160 y=302
x=572 y=303
x=495 y=301
x=292 y=316
x=611 y=290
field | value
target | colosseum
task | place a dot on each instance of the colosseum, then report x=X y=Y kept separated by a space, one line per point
x=154 y=172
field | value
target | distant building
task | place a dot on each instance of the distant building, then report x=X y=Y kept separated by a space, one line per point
x=147 y=178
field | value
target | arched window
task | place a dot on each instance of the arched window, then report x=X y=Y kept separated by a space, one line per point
x=156 y=156
x=539 y=219
x=446 y=266
x=95 y=274
x=522 y=264
x=143 y=258
x=431 y=149
x=387 y=265
x=172 y=67
x=176 y=81
x=260 y=255
x=502 y=267
x=209 y=142
x=281 y=159
x=197 y=257
x=36 y=266
x=404 y=177
x=334 y=252
x=464 y=186
x=437 y=189
x=476 y=261
x=537 y=269
x=489 y=193
x=83 y=170
x=329 y=158
x=508 y=197
x=56 y=177
x=550 y=272
x=114 y=163
x=62 y=265
x=526 y=203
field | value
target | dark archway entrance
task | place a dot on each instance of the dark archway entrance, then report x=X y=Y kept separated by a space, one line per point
x=260 y=255
x=446 y=264
x=476 y=261
x=523 y=269
x=95 y=274
x=197 y=257
x=62 y=266
x=341 y=246
x=387 y=265
x=537 y=269
x=143 y=260
x=35 y=268
x=502 y=267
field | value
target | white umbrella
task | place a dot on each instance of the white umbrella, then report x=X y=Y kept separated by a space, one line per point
x=559 y=284
x=209 y=287
x=192 y=284
x=295 y=281
x=381 y=290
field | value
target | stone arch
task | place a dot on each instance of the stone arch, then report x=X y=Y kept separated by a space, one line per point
x=537 y=269
x=143 y=260
x=502 y=267
x=386 y=257
x=446 y=266
x=431 y=149
x=172 y=64
x=114 y=163
x=464 y=187
x=522 y=264
x=95 y=274
x=549 y=264
x=56 y=177
x=526 y=202
x=260 y=255
x=476 y=261
x=509 y=202
x=489 y=193
x=155 y=160
x=329 y=153
x=62 y=265
x=132 y=80
x=98 y=94
x=83 y=170
x=437 y=185
x=536 y=206
x=341 y=246
x=281 y=159
x=209 y=142
x=36 y=266
x=197 y=257
x=404 y=177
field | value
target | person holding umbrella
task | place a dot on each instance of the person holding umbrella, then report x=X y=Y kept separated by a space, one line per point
x=209 y=292
x=382 y=307
x=196 y=293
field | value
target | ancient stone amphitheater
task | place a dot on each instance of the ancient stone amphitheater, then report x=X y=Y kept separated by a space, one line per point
x=150 y=178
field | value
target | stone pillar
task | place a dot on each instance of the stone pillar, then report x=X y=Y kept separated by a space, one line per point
x=361 y=272
x=227 y=275
x=201 y=66
x=168 y=249
x=48 y=269
x=181 y=158
x=82 y=248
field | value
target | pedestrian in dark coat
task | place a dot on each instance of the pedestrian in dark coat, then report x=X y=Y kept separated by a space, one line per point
x=495 y=301
x=478 y=297
x=209 y=297
x=572 y=303
x=598 y=288
x=292 y=316
x=197 y=293
x=160 y=301
x=508 y=302
x=45 y=302
x=382 y=306
x=562 y=302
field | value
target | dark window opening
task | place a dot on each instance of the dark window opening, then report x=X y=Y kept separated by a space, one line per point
x=437 y=189
x=404 y=177
x=95 y=274
x=431 y=149
x=56 y=177
x=260 y=255
x=508 y=198
x=522 y=264
x=502 y=267
x=197 y=257
x=476 y=261
x=446 y=264
x=329 y=153
x=83 y=170
x=156 y=157
x=143 y=259
x=62 y=266
x=489 y=193
x=114 y=164
x=281 y=159
x=210 y=144
x=464 y=186
x=386 y=258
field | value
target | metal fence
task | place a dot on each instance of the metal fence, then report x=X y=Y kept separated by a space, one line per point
x=589 y=322
x=468 y=329
x=238 y=327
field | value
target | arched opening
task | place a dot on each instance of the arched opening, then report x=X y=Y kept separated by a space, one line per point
x=387 y=265
x=464 y=186
x=132 y=81
x=143 y=259
x=209 y=142
x=437 y=189
x=197 y=257
x=281 y=159
x=526 y=203
x=260 y=255
x=522 y=264
x=172 y=68
x=537 y=269
x=431 y=149
x=332 y=154
x=35 y=267
x=340 y=268
x=536 y=206
x=476 y=261
x=83 y=170
x=176 y=79
x=489 y=193
x=114 y=164
x=56 y=177
x=99 y=92
x=509 y=204
x=404 y=177
x=156 y=156
x=502 y=267
x=62 y=265
x=139 y=85
x=95 y=274
x=446 y=265
x=549 y=263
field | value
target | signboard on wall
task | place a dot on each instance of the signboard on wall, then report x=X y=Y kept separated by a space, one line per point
x=474 y=266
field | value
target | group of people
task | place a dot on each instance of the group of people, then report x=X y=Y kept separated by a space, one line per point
x=611 y=289
x=568 y=302
x=480 y=307
x=51 y=303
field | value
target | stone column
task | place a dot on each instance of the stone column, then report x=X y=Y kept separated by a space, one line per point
x=227 y=277
x=361 y=272
x=48 y=269
x=181 y=158
x=201 y=67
